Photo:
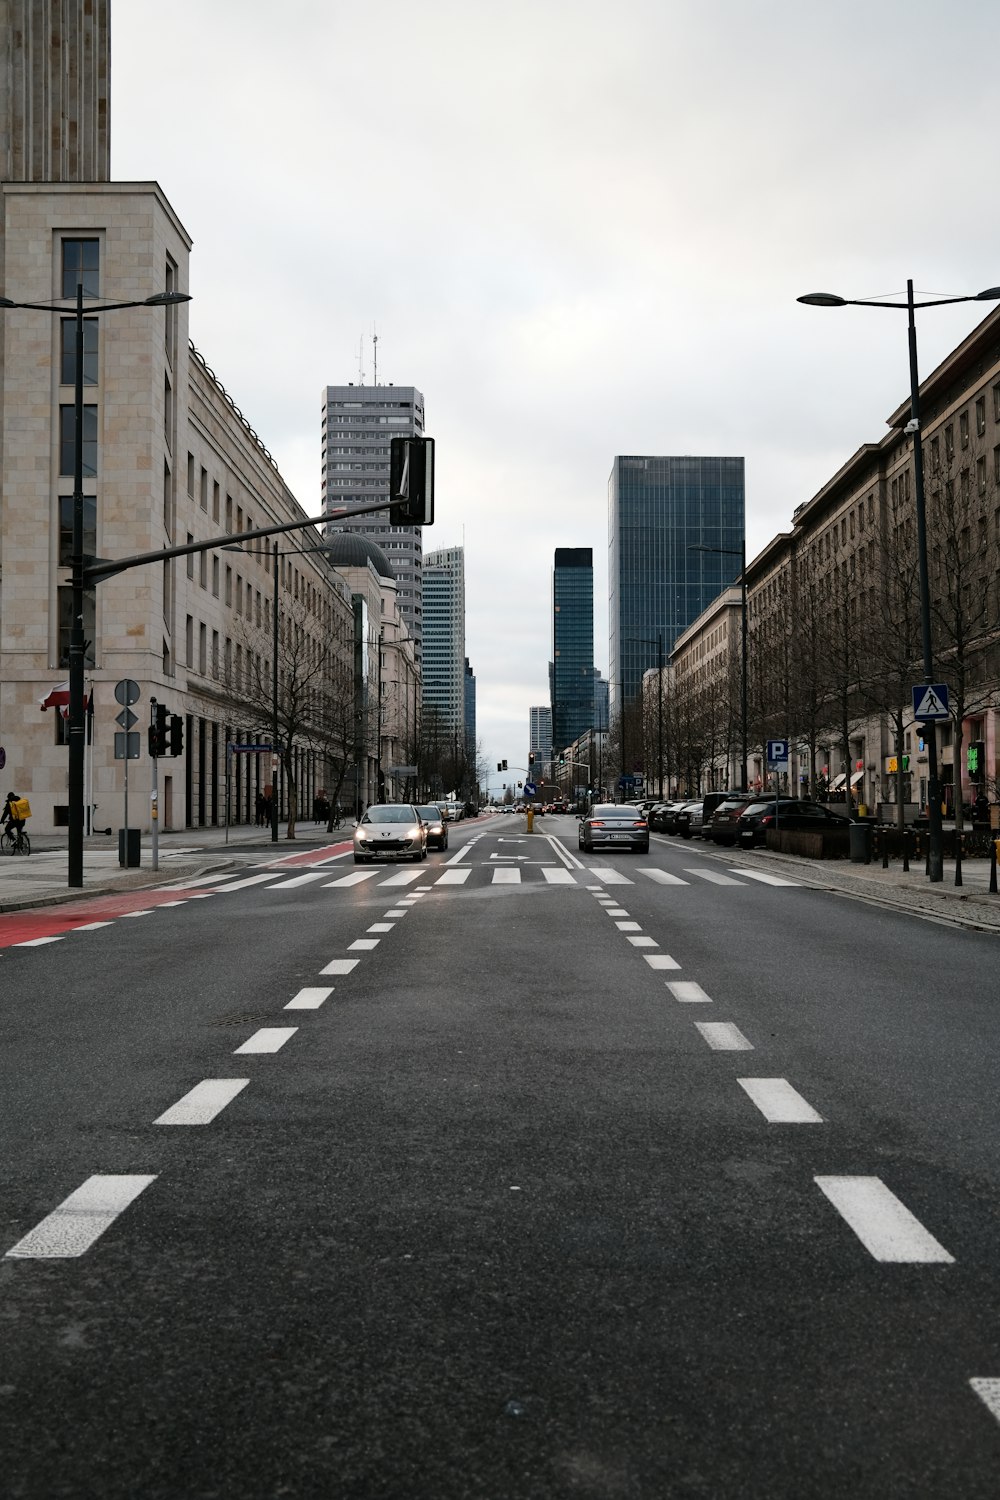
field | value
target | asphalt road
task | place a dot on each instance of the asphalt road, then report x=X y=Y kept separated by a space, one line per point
x=581 y=1176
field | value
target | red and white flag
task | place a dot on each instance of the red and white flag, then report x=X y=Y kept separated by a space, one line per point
x=58 y=697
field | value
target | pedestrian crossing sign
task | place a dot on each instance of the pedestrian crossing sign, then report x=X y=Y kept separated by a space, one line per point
x=930 y=701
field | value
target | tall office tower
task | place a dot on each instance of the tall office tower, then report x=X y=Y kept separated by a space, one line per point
x=600 y=701
x=660 y=511
x=470 y=713
x=54 y=108
x=540 y=731
x=572 y=644
x=358 y=421
x=444 y=638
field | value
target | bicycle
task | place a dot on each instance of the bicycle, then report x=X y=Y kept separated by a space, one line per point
x=15 y=841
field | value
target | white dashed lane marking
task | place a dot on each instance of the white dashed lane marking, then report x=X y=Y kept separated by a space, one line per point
x=341 y=966
x=39 y=942
x=267 y=1039
x=363 y=945
x=687 y=991
x=202 y=1103
x=309 y=999
x=80 y=1219
x=661 y=961
x=380 y=927
x=884 y=1226
x=713 y=877
x=778 y=1102
x=987 y=1388
x=628 y=926
x=724 y=1036
x=642 y=942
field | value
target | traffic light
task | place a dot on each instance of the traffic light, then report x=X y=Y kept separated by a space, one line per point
x=499 y=765
x=531 y=757
x=975 y=758
x=411 y=481
x=158 y=730
x=562 y=760
x=176 y=734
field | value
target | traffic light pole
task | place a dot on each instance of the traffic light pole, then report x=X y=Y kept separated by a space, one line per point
x=154 y=799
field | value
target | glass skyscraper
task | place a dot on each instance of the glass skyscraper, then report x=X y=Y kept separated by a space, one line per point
x=572 y=644
x=658 y=510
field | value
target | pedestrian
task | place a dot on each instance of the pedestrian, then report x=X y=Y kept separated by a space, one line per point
x=261 y=809
x=982 y=808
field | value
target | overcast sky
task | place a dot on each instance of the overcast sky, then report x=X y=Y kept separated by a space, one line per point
x=580 y=229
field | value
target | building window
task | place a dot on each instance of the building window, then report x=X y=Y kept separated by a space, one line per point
x=81 y=265
x=189 y=641
x=65 y=608
x=949 y=442
x=190 y=564
x=215 y=576
x=981 y=475
x=203 y=649
x=996 y=402
x=67 y=435
x=203 y=491
x=980 y=415
x=963 y=428
x=67 y=364
x=66 y=528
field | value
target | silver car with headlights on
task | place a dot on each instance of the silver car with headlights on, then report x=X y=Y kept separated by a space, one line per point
x=617 y=826
x=392 y=830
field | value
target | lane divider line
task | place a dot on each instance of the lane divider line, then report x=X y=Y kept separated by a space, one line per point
x=687 y=991
x=310 y=998
x=267 y=1039
x=80 y=1219
x=884 y=1225
x=363 y=945
x=201 y=1104
x=661 y=961
x=987 y=1388
x=778 y=1102
x=724 y=1036
x=341 y=966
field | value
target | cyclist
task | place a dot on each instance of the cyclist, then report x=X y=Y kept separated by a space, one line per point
x=9 y=816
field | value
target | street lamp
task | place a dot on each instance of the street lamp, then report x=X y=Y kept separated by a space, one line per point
x=935 y=856
x=77 y=644
x=741 y=553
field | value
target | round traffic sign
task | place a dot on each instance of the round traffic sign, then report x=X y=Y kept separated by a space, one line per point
x=126 y=691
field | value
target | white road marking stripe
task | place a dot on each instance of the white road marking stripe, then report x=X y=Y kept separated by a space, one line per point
x=778 y=1102
x=239 y=885
x=355 y=878
x=80 y=1219
x=461 y=853
x=93 y=926
x=616 y=911
x=569 y=860
x=884 y=1226
x=189 y=884
x=454 y=877
x=267 y=1039
x=205 y=895
x=642 y=942
x=713 y=876
x=761 y=876
x=660 y=961
x=363 y=945
x=506 y=877
x=201 y=1104
x=38 y=942
x=380 y=927
x=297 y=880
x=309 y=999
x=612 y=877
x=171 y=903
x=628 y=926
x=987 y=1388
x=403 y=877
x=558 y=877
x=398 y=911
x=687 y=992
x=724 y=1036
x=662 y=878
x=147 y=911
x=341 y=966
x=595 y=888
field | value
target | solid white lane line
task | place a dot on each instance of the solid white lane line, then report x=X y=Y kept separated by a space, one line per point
x=660 y=961
x=355 y=878
x=687 y=991
x=642 y=942
x=310 y=998
x=403 y=877
x=762 y=877
x=778 y=1102
x=380 y=927
x=713 y=877
x=724 y=1036
x=662 y=878
x=39 y=942
x=93 y=926
x=987 y=1388
x=455 y=858
x=506 y=877
x=80 y=1219
x=628 y=926
x=884 y=1226
x=558 y=877
x=297 y=880
x=201 y=1104
x=341 y=966
x=569 y=860
x=612 y=877
x=363 y=945
x=240 y=885
x=454 y=877
x=267 y=1039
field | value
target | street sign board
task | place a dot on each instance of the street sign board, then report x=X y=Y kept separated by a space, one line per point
x=246 y=749
x=126 y=692
x=531 y=788
x=126 y=718
x=402 y=770
x=777 y=752
x=126 y=745
x=930 y=701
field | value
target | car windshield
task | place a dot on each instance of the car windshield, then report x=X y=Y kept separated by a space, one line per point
x=616 y=812
x=392 y=814
x=430 y=814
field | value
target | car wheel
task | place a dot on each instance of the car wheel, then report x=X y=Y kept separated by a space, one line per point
x=361 y=859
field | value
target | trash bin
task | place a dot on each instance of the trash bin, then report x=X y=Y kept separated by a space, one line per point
x=128 y=853
x=861 y=843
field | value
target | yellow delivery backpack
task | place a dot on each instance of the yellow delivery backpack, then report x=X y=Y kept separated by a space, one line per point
x=21 y=808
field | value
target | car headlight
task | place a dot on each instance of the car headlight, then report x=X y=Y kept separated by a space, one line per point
x=413 y=833
x=359 y=832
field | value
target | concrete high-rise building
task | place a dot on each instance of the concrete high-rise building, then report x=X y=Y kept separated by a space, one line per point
x=572 y=644
x=470 y=713
x=358 y=422
x=54 y=106
x=600 y=701
x=660 y=511
x=444 y=638
x=540 y=729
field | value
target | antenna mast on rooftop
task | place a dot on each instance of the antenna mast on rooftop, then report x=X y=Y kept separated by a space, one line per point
x=375 y=353
x=361 y=360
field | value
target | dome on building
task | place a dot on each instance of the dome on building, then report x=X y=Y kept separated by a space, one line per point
x=349 y=549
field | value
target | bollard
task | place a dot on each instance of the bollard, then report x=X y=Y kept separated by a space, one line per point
x=958 y=857
x=885 y=848
x=906 y=851
x=531 y=820
x=994 y=850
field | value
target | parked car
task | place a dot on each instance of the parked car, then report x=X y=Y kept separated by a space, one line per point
x=787 y=812
x=721 y=827
x=687 y=819
x=655 y=816
x=670 y=816
x=436 y=825
x=614 y=827
x=390 y=830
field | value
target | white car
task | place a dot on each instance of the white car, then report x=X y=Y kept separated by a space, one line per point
x=391 y=830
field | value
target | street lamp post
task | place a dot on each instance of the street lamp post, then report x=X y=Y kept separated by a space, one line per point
x=77 y=643
x=935 y=859
x=741 y=553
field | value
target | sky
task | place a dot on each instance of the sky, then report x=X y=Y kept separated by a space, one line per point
x=580 y=229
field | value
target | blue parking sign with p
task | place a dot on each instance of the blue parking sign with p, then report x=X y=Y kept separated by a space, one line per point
x=777 y=752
